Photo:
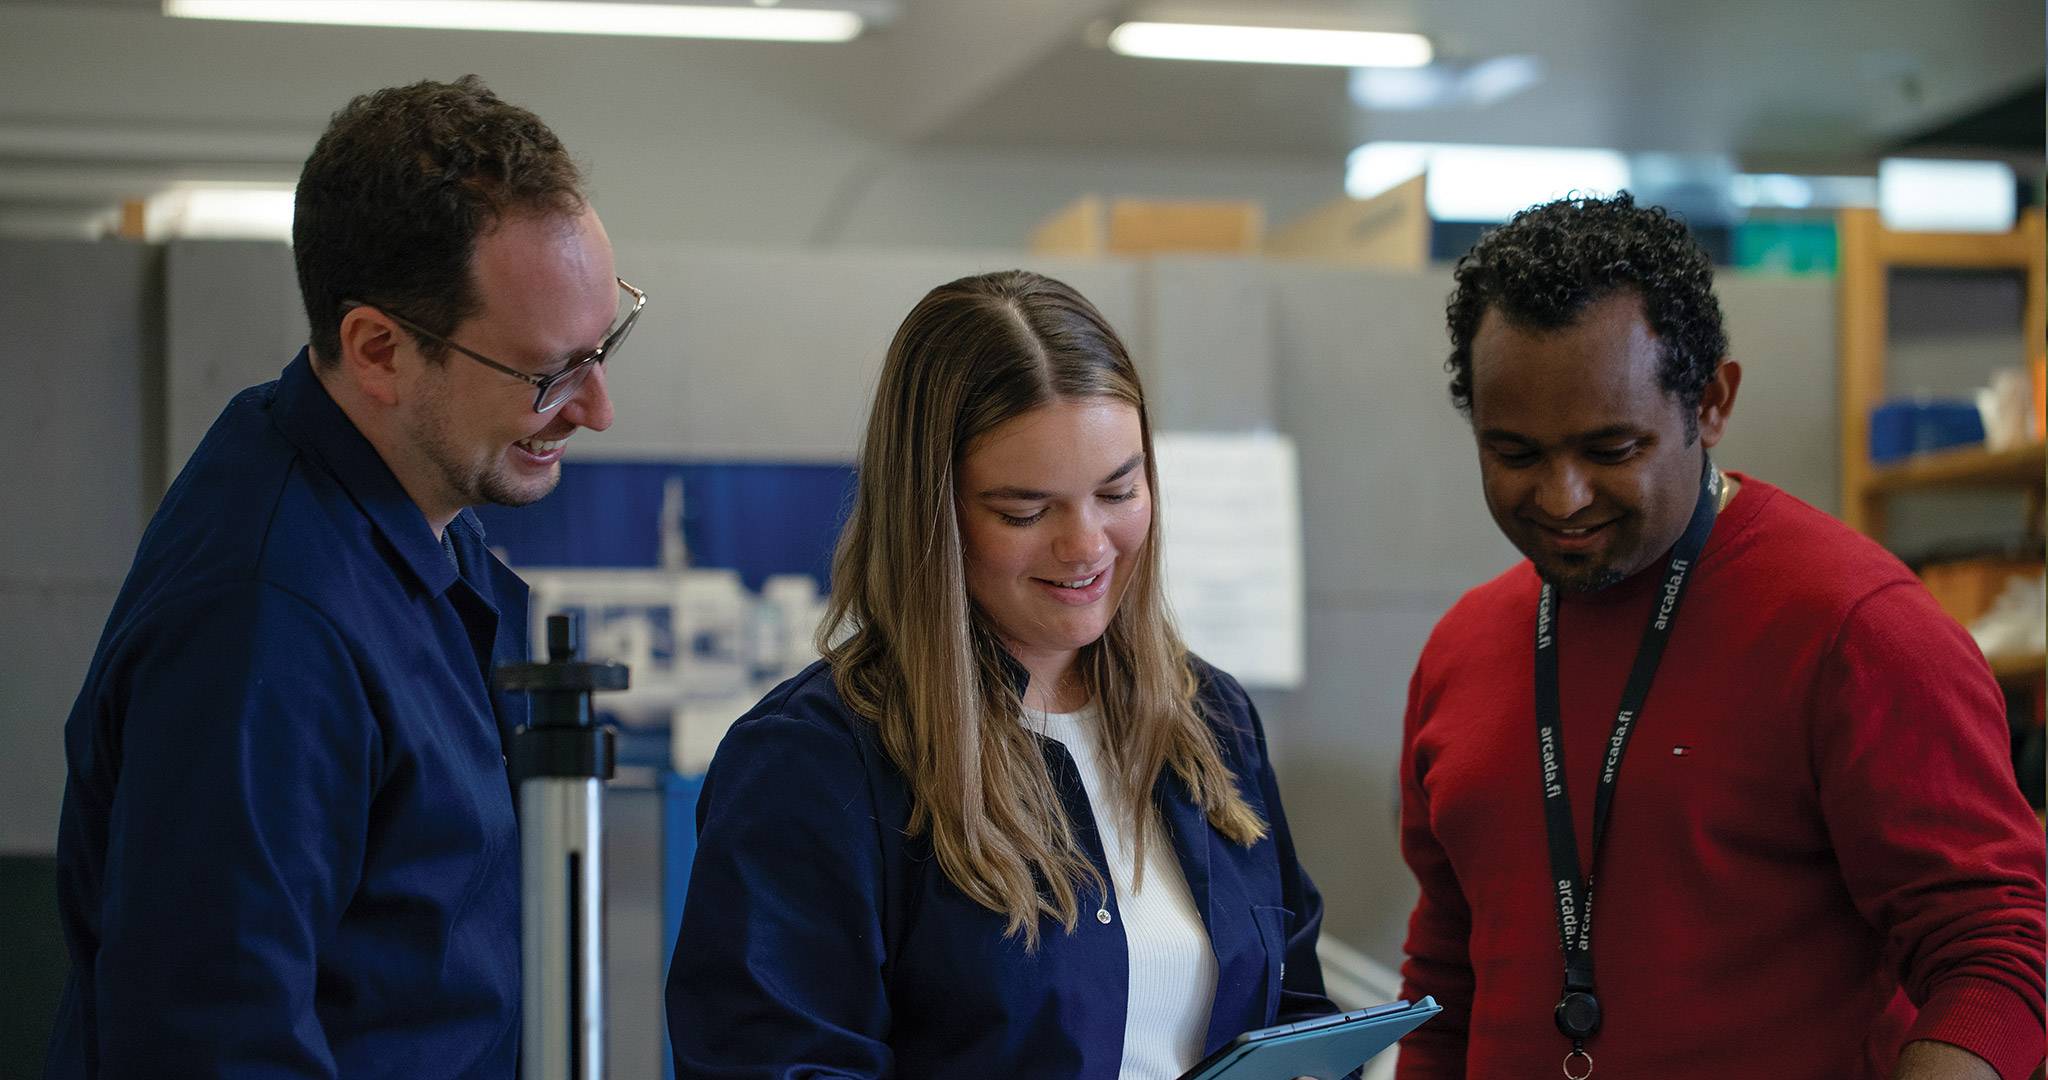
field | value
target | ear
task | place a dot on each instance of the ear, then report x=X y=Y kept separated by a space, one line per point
x=1717 y=400
x=369 y=353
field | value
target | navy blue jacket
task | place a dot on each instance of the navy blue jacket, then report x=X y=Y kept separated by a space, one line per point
x=288 y=846
x=818 y=940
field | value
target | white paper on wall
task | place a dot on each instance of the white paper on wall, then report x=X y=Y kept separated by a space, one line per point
x=1230 y=521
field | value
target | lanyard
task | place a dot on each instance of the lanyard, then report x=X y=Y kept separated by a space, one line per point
x=1578 y=1012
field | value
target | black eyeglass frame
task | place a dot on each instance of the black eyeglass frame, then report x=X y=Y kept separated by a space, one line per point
x=541 y=383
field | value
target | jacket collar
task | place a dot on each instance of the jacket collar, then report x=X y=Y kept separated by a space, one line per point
x=307 y=416
x=1014 y=670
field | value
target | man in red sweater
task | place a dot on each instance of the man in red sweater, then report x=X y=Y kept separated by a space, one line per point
x=1743 y=729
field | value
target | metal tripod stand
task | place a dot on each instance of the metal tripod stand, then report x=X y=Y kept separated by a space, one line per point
x=561 y=761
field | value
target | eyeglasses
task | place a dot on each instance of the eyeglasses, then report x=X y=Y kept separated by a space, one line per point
x=549 y=390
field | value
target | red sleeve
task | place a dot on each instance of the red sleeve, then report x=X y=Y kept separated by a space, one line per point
x=1937 y=846
x=1438 y=932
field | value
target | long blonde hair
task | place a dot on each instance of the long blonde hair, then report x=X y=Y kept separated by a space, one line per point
x=912 y=654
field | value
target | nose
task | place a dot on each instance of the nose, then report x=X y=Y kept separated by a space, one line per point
x=1564 y=490
x=591 y=405
x=1082 y=543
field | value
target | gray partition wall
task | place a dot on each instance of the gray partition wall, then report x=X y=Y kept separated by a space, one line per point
x=82 y=366
x=773 y=355
x=1393 y=530
x=232 y=319
x=741 y=354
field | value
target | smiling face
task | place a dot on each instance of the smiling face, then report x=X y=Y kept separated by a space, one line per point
x=1054 y=512
x=549 y=295
x=1588 y=462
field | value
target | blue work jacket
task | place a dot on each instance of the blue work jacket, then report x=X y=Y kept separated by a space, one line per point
x=820 y=940
x=287 y=846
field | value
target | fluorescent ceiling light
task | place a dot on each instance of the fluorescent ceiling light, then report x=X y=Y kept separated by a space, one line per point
x=1485 y=183
x=545 y=16
x=1946 y=196
x=1270 y=45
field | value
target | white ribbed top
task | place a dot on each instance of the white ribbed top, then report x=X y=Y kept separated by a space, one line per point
x=1172 y=968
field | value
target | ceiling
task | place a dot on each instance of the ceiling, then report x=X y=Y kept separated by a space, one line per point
x=1817 y=78
x=2012 y=123
x=1819 y=82
x=1817 y=85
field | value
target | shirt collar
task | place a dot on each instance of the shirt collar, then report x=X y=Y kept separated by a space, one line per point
x=307 y=416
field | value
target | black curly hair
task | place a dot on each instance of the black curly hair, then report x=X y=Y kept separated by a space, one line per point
x=396 y=192
x=1545 y=267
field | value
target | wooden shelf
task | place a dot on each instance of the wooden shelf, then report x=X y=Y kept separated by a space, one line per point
x=1973 y=466
x=1867 y=251
x=2017 y=667
x=1962 y=251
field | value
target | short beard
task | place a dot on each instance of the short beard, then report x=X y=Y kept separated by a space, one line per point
x=474 y=482
x=1583 y=580
x=493 y=489
x=480 y=484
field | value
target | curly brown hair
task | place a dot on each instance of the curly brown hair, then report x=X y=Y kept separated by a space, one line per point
x=1551 y=262
x=396 y=192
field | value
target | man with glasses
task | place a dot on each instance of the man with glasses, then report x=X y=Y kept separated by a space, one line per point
x=288 y=844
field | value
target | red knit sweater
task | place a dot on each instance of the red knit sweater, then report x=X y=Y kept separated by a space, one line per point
x=1815 y=829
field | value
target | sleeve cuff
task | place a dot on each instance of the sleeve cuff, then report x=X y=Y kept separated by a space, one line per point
x=1987 y=1019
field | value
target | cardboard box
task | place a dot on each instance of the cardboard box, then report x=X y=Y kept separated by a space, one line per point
x=1966 y=588
x=1389 y=229
x=1092 y=226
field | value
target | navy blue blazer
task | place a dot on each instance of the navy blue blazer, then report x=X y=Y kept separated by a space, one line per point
x=819 y=940
x=287 y=847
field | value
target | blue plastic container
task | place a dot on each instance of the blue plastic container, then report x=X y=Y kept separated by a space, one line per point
x=1902 y=428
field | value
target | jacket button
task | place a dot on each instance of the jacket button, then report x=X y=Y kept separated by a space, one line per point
x=1102 y=916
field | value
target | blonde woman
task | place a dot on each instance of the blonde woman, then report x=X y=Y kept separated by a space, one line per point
x=1008 y=826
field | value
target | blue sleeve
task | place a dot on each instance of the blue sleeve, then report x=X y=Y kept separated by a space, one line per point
x=247 y=753
x=778 y=968
x=1301 y=988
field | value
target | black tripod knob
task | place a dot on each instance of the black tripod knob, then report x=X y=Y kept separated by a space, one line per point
x=563 y=739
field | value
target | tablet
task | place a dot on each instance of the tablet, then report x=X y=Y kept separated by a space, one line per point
x=1327 y=1047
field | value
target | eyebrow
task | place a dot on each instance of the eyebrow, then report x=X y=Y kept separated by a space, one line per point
x=560 y=361
x=563 y=362
x=1019 y=494
x=1611 y=431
